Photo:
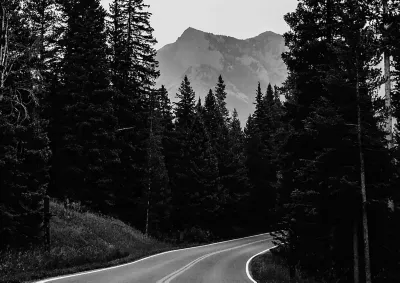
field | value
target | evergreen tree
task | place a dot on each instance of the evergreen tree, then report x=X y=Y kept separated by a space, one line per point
x=168 y=127
x=202 y=190
x=259 y=111
x=196 y=189
x=269 y=95
x=321 y=167
x=164 y=164
x=46 y=28
x=199 y=107
x=262 y=144
x=185 y=116
x=220 y=94
x=302 y=88
x=133 y=72
x=157 y=195
x=185 y=107
x=389 y=228
x=212 y=118
x=24 y=145
x=277 y=95
x=236 y=182
x=132 y=52
x=165 y=108
x=217 y=122
x=86 y=154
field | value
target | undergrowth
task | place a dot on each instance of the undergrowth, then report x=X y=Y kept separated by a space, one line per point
x=270 y=268
x=80 y=240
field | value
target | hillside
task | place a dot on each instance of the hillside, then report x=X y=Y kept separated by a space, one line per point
x=242 y=63
x=79 y=241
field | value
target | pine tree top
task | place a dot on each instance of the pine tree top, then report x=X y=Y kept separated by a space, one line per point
x=199 y=106
x=185 y=106
x=269 y=95
x=220 y=95
x=210 y=101
x=259 y=96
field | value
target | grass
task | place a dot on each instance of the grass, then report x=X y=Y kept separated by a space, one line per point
x=270 y=268
x=79 y=241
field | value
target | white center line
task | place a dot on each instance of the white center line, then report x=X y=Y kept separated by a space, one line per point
x=173 y=275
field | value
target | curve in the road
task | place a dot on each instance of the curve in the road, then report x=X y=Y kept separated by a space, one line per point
x=170 y=277
x=156 y=255
x=249 y=261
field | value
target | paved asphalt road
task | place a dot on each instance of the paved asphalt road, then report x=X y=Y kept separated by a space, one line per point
x=223 y=262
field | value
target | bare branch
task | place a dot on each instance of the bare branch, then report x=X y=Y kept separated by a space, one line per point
x=123 y=129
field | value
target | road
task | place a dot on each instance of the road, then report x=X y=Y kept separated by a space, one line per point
x=223 y=262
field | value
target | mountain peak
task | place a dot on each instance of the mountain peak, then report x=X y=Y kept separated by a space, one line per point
x=190 y=33
x=190 y=29
x=203 y=56
x=266 y=34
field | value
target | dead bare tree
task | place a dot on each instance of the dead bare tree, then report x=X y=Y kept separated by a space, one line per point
x=20 y=94
x=4 y=51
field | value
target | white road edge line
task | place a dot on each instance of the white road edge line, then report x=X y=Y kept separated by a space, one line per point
x=173 y=275
x=125 y=264
x=248 y=263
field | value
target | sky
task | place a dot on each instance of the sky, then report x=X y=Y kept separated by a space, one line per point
x=237 y=18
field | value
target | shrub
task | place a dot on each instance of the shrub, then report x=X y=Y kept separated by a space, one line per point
x=271 y=268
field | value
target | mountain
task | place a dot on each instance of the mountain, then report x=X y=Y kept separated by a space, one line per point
x=242 y=63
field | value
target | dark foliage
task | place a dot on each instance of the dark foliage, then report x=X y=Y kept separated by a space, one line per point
x=81 y=119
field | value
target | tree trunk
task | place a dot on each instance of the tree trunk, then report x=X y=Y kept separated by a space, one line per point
x=147 y=213
x=363 y=186
x=46 y=222
x=386 y=64
x=148 y=193
x=3 y=45
x=149 y=168
x=356 y=259
x=388 y=102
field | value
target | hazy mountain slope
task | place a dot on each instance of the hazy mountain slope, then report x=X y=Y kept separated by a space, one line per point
x=242 y=63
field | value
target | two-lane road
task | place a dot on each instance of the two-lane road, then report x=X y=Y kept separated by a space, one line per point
x=223 y=262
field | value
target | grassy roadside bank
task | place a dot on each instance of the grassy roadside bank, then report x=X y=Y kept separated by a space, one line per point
x=270 y=268
x=79 y=241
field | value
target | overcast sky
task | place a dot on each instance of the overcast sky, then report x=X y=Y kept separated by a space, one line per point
x=236 y=18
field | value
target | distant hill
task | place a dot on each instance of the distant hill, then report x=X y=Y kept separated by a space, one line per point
x=242 y=63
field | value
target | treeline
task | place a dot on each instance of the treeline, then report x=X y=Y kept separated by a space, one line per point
x=81 y=121
x=338 y=173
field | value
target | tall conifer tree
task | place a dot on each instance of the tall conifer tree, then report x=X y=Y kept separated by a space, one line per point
x=133 y=68
x=24 y=146
x=322 y=110
x=86 y=153
x=220 y=94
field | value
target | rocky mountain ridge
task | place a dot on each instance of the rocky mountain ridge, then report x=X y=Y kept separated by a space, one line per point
x=241 y=62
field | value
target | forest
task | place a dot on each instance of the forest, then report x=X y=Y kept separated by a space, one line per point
x=81 y=121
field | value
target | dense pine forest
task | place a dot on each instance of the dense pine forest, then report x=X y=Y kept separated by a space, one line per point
x=82 y=122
